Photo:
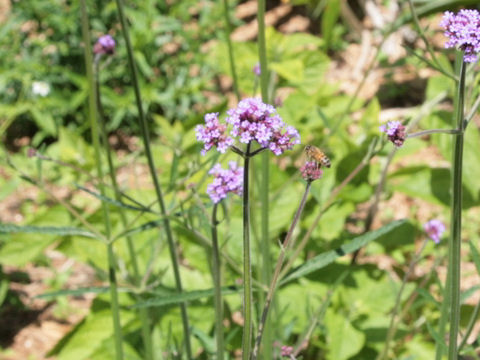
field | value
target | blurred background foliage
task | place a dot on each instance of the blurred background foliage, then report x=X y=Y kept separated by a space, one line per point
x=182 y=57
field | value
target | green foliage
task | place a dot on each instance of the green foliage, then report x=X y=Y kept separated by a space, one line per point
x=181 y=62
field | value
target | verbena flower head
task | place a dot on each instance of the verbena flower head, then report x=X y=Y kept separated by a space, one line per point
x=286 y=351
x=225 y=181
x=463 y=31
x=311 y=171
x=434 y=229
x=256 y=69
x=104 y=45
x=395 y=131
x=213 y=134
x=253 y=120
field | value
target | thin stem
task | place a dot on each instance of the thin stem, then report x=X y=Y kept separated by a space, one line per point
x=302 y=343
x=456 y=220
x=247 y=266
x=434 y=131
x=153 y=174
x=398 y=299
x=217 y=284
x=471 y=324
x=231 y=58
x=117 y=329
x=427 y=43
x=265 y=163
x=273 y=285
x=143 y=312
x=473 y=110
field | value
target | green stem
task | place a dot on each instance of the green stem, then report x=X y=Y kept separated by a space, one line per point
x=143 y=312
x=471 y=324
x=117 y=329
x=273 y=285
x=153 y=174
x=217 y=283
x=456 y=220
x=434 y=131
x=392 y=327
x=228 y=28
x=247 y=266
x=265 y=173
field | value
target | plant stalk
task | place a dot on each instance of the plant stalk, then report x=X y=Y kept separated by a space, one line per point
x=153 y=174
x=143 y=312
x=456 y=220
x=273 y=285
x=247 y=266
x=117 y=328
x=265 y=172
x=217 y=283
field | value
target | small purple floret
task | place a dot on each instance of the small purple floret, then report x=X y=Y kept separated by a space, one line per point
x=256 y=69
x=311 y=171
x=395 y=131
x=434 y=229
x=225 y=181
x=104 y=45
x=463 y=31
x=213 y=134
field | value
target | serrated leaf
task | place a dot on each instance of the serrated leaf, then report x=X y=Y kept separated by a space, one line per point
x=51 y=230
x=328 y=257
x=186 y=296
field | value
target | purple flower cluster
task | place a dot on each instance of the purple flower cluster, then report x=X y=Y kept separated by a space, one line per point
x=434 y=229
x=104 y=45
x=311 y=171
x=213 y=134
x=395 y=132
x=225 y=181
x=463 y=30
x=254 y=120
x=251 y=120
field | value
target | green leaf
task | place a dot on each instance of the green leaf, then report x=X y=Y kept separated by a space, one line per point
x=475 y=255
x=436 y=336
x=291 y=70
x=51 y=230
x=328 y=257
x=343 y=339
x=74 y=292
x=186 y=296
x=329 y=20
x=467 y=293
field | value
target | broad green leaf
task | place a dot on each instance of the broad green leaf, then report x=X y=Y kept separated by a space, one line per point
x=186 y=296
x=88 y=337
x=51 y=230
x=343 y=340
x=328 y=257
x=291 y=70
